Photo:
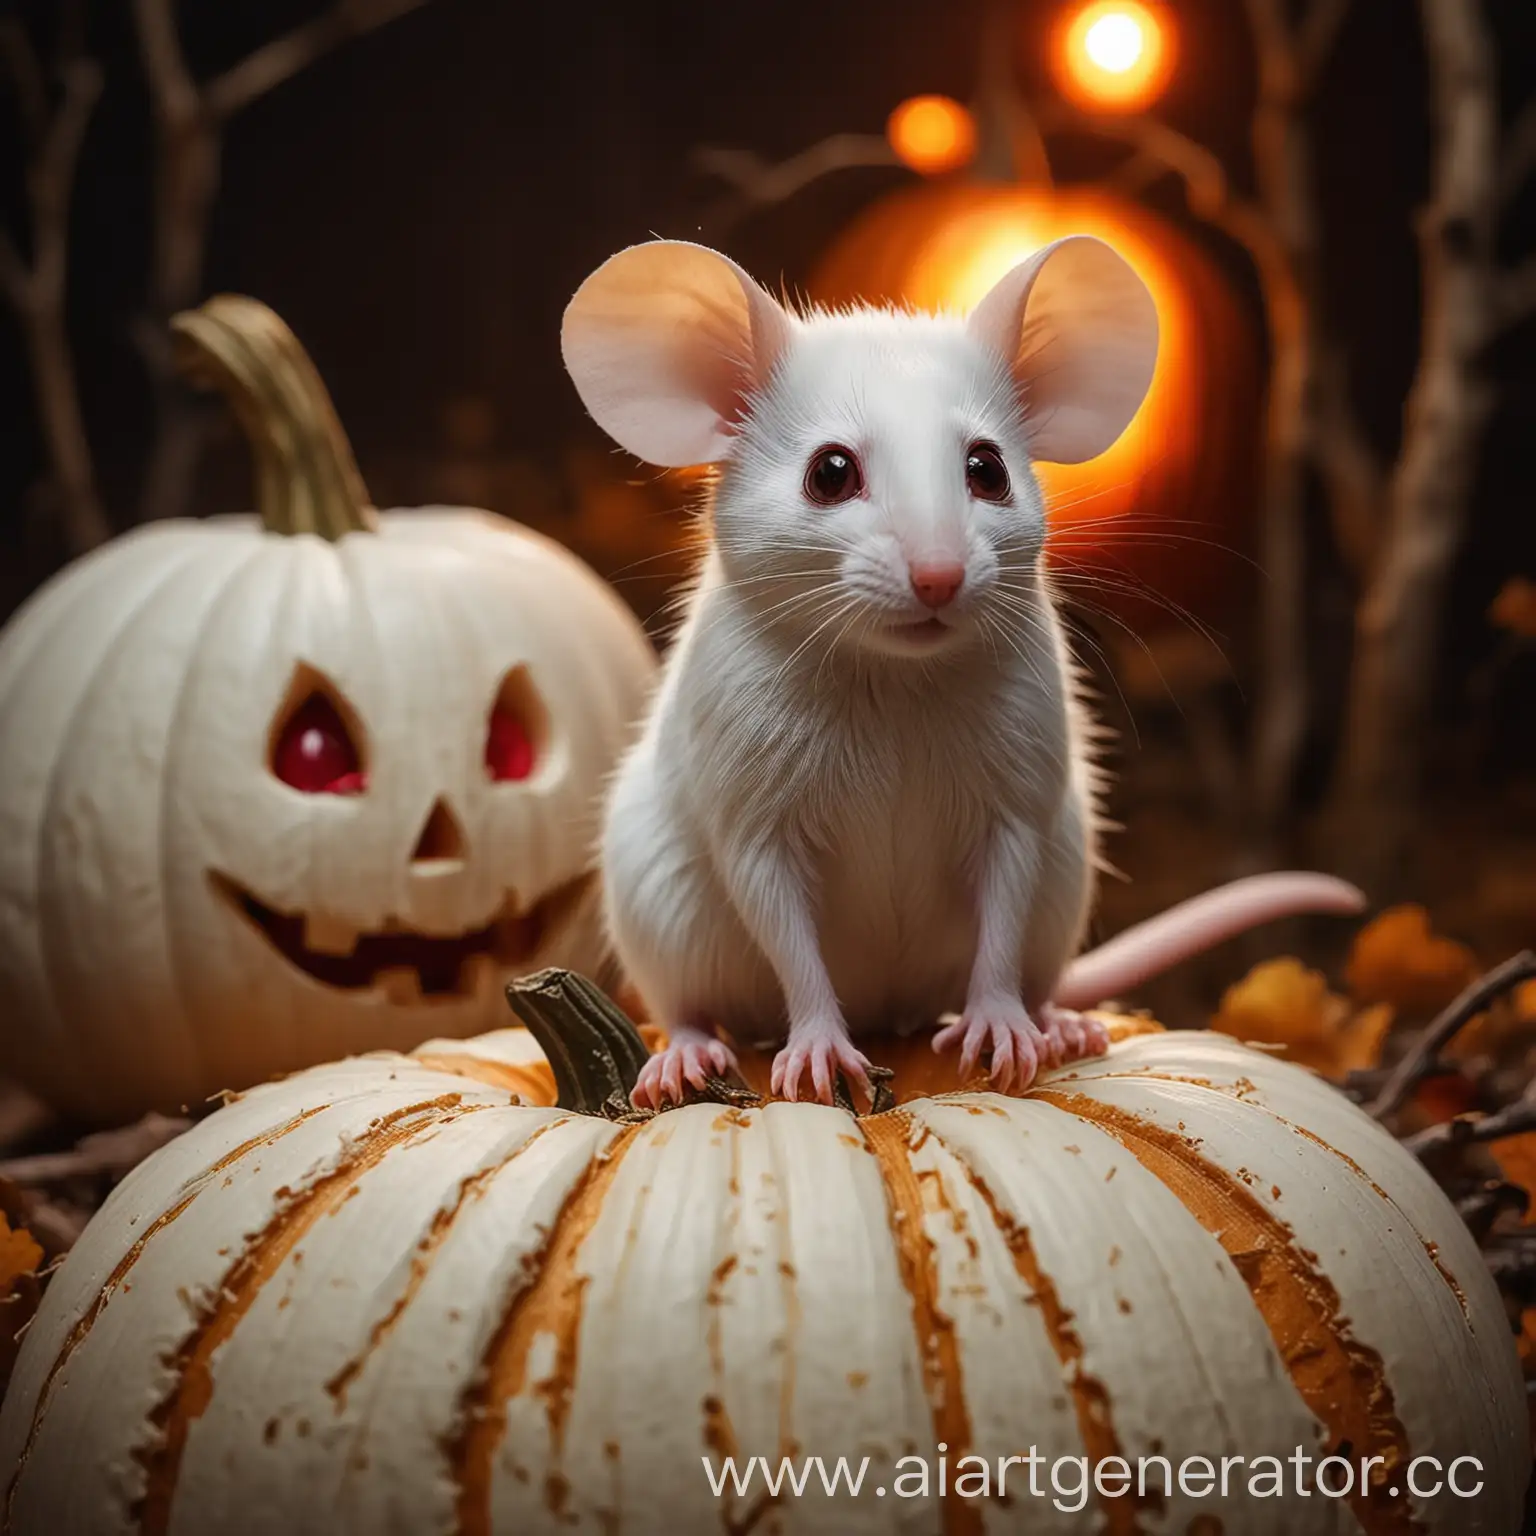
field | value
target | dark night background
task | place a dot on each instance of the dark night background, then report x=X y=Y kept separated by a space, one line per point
x=420 y=204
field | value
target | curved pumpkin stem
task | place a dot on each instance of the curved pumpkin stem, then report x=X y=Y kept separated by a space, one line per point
x=592 y=1047
x=306 y=478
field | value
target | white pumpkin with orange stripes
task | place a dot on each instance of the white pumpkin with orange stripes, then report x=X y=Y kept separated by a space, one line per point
x=384 y=1296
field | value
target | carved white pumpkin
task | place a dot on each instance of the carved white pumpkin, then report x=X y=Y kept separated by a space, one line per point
x=384 y=1296
x=275 y=789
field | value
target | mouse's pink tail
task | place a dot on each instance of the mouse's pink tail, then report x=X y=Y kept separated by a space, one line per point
x=1151 y=947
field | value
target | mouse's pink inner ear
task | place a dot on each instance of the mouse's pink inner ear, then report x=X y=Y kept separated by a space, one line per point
x=666 y=343
x=1078 y=327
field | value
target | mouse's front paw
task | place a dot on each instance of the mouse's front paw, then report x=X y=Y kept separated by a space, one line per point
x=689 y=1056
x=824 y=1050
x=1072 y=1035
x=1019 y=1049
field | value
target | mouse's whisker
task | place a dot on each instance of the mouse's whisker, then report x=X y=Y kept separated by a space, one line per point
x=1189 y=620
x=809 y=640
x=757 y=620
x=836 y=641
x=802 y=605
x=1067 y=548
x=1005 y=632
x=788 y=605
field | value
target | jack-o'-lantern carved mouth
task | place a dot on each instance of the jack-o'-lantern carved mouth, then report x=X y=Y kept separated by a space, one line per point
x=402 y=965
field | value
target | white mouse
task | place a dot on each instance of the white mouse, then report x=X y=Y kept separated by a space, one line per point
x=864 y=794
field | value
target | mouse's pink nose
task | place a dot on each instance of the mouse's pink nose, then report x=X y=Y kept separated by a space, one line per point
x=936 y=581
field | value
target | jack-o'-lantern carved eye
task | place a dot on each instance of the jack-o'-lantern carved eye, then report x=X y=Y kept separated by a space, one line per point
x=515 y=732
x=314 y=749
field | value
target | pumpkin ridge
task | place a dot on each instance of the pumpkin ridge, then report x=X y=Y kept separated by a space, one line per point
x=242 y=1283
x=471 y=1187
x=1243 y=1091
x=1432 y=1249
x=719 y=1432
x=789 y=1278
x=48 y=940
x=533 y=1078
x=1342 y=1381
x=550 y=1301
x=888 y=1137
x=1090 y=1397
x=168 y=929
x=77 y=1335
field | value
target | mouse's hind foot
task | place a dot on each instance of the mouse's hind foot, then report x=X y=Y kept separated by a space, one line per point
x=1071 y=1035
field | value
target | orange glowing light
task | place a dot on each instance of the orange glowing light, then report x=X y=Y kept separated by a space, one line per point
x=1114 y=55
x=932 y=134
x=1184 y=458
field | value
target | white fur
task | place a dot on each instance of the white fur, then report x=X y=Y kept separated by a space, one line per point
x=828 y=826
x=814 y=812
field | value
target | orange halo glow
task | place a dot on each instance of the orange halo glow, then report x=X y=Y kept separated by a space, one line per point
x=1161 y=505
x=932 y=134
x=1114 y=55
x=972 y=251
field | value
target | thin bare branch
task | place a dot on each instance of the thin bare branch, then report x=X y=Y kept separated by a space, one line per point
x=1292 y=55
x=191 y=117
x=26 y=72
x=171 y=86
x=759 y=183
x=1157 y=150
x=1317 y=37
x=51 y=179
x=1270 y=23
x=34 y=283
x=275 y=62
x=1416 y=1065
x=22 y=1115
x=113 y=1152
x=1466 y=1130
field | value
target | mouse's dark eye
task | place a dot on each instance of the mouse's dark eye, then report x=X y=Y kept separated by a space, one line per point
x=986 y=476
x=832 y=476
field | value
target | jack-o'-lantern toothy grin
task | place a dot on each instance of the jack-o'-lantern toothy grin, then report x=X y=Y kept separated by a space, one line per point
x=401 y=964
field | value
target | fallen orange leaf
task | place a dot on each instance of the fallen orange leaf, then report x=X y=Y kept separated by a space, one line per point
x=20 y=1254
x=1516 y=1157
x=1514 y=609
x=1281 y=1002
x=1523 y=1001
x=1397 y=959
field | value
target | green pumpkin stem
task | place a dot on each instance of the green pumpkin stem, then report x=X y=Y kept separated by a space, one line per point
x=592 y=1046
x=306 y=478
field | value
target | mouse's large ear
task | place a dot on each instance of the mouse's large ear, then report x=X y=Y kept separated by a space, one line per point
x=1079 y=329
x=666 y=342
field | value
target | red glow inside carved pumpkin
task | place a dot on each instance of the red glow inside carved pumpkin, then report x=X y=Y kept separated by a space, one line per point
x=509 y=750
x=316 y=754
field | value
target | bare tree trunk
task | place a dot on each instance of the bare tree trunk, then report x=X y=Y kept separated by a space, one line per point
x=1281 y=155
x=189 y=148
x=38 y=290
x=58 y=410
x=190 y=119
x=1310 y=423
x=1398 y=622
